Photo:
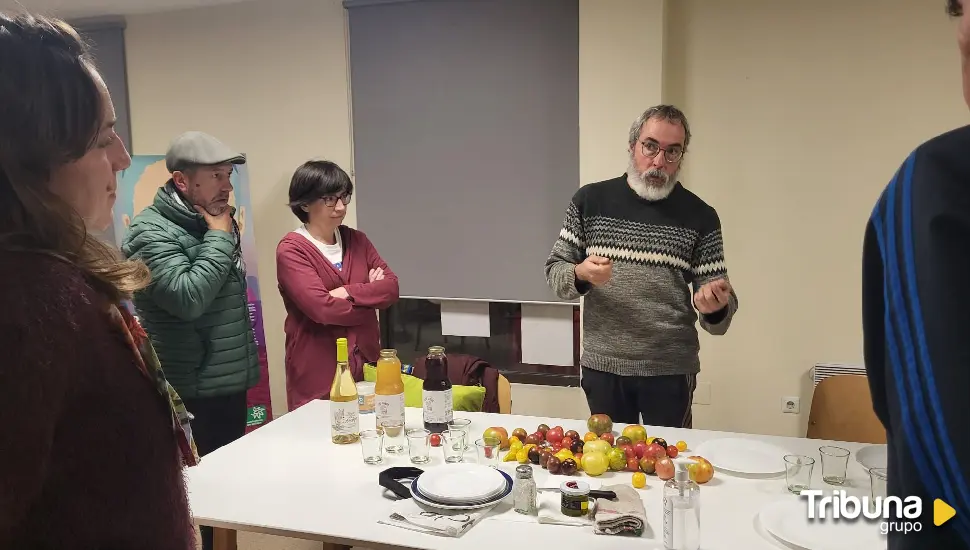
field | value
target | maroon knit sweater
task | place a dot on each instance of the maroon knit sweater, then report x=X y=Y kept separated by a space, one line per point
x=88 y=459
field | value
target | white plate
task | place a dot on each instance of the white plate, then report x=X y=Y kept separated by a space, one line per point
x=873 y=456
x=744 y=456
x=788 y=521
x=460 y=483
x=427 y=501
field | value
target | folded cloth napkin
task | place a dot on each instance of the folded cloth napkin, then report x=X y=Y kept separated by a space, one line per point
x=447 y=523
x=625 y=515
x=550 y=511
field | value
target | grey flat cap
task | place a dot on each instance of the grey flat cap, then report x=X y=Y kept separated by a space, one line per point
x=198 y=148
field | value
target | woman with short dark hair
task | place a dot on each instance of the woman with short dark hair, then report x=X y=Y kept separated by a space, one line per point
x=332 y=281
x=94 y=438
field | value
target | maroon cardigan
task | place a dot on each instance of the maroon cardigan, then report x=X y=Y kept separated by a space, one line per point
x=89 y=456
x=314 y=319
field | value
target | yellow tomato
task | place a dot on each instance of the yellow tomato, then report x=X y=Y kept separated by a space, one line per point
x=595 y=463
x=681 y=446
x=639 y=480
x=522 y=456
x=590 y=436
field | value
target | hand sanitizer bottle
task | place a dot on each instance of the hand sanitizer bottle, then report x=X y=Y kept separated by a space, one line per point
x=682 y=511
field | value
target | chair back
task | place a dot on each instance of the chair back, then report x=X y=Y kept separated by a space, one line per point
x=842 y=411
x=504 y=395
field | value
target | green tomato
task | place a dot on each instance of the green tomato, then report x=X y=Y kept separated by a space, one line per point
x=617 y=459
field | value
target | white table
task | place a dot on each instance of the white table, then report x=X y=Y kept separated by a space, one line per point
x=287 y=478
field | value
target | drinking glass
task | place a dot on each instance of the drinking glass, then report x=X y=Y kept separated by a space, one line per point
x=419 y=445
x=395 y=436
x=798 y=472
x=835 y=461
x=372 y=446
x=453 y=443
x=464 y=425
x=877 y=486
x=488 y=451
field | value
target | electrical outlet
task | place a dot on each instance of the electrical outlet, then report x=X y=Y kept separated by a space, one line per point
x=790 y=405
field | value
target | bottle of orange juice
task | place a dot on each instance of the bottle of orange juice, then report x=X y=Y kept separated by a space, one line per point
x=389 y=390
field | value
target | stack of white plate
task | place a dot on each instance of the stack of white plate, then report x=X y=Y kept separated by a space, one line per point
x=461 y=487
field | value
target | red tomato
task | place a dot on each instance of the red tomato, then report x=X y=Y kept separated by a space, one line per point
x=566 y=442
x=607 y=437
x=554 y=435
x=641 y=448
x=672 y=451
x=435 y=440
x=630 y=451
x=632 y=465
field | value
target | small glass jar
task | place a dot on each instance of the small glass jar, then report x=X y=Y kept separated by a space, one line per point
x=365 y=397
x=524 y=491
x=575 y=499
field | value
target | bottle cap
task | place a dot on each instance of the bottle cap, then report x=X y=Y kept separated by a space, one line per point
x=523 y=472
x=436 y=350
x=342 y=355
x=682 y=473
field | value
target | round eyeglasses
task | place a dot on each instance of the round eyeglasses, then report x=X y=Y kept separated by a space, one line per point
x=671 y=154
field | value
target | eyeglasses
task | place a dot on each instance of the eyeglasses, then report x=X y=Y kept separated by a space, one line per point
x=671 y=154
x=332 y=201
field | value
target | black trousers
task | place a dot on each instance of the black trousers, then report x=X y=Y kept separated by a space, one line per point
x=660 y=400
x=218 y=421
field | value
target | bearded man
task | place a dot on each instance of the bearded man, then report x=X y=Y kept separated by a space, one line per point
x=647 y=255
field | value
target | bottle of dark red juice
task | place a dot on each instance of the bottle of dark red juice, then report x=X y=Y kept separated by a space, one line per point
x=437 y=391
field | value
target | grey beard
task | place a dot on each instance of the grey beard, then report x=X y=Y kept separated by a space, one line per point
x=647 y=190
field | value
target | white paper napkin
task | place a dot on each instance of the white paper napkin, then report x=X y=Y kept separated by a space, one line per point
x=550 y=511
x=408 y=514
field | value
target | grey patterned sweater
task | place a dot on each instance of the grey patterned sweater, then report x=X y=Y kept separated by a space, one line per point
x=642 y=322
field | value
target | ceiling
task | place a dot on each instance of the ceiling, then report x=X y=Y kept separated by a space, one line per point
x=98 y=8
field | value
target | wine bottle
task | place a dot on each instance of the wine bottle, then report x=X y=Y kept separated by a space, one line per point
x=344 y=411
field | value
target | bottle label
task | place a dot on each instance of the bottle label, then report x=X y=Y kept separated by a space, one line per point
x=438 y=407
x=668 y=523
x=344 y=417
x=390 y=409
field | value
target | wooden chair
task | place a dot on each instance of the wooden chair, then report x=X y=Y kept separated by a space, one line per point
x=842 y=411
x=504 y=395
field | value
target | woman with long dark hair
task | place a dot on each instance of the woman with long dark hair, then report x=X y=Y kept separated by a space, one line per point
x=94 y=439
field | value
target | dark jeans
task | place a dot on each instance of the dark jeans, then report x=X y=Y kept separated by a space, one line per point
x=218 y=421
x=661 y=400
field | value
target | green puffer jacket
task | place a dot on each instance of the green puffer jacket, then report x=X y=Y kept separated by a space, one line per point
x=195 y=310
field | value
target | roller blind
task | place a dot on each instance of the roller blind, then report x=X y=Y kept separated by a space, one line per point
x=107 y=42
x=466 y=139
x=106 y=38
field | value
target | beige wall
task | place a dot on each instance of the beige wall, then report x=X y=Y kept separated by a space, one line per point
x=268 y=77
x=801 y=113
x=793 y=141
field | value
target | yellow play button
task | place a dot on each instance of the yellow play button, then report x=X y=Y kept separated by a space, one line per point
x=942 y=512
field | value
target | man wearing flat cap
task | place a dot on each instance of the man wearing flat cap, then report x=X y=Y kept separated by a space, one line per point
x=195 y=310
